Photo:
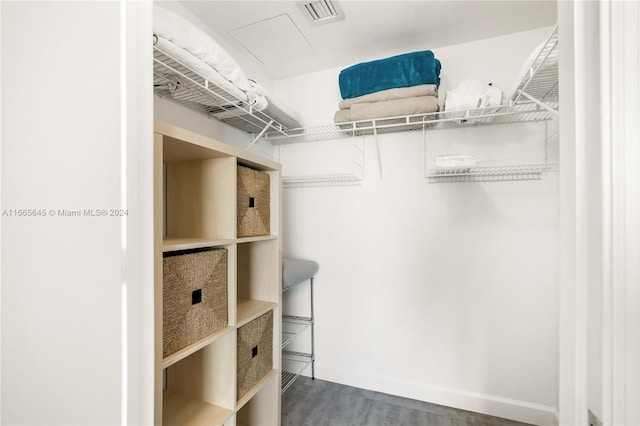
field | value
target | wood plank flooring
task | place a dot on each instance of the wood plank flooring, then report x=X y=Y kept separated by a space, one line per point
x=320 y=403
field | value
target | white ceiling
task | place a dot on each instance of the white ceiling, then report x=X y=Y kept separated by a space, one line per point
x=278 y=38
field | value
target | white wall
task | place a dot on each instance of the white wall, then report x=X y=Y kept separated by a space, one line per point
x=621 y=284
x=439 y=292
x=599 y=245
x=69 y=356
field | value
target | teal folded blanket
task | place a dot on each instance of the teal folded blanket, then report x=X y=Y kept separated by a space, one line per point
x=409 y=69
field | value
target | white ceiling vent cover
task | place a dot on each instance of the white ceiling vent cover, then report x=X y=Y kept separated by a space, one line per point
x=321 y=12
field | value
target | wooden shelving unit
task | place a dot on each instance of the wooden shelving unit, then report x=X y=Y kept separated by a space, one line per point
x=195 y=207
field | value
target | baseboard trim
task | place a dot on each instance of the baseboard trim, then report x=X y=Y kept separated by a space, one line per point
x=480 y=403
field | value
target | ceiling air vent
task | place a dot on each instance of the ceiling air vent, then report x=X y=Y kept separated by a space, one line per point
x=322 y=11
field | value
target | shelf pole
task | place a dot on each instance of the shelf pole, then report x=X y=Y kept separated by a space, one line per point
x=313 y=349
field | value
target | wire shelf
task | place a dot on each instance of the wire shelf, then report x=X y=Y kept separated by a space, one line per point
x=517 y=113
x=292 y=326
x=179 y=83
x=343 y=179
x=293 y=364
x=541 y=79
x=491 y=174
x=535 y=99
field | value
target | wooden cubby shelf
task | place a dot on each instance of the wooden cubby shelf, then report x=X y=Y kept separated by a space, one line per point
x=195 y=191
x=254 y=239
x=194 y=347
x=248 y=310
x=175 y=244
x=179 y=409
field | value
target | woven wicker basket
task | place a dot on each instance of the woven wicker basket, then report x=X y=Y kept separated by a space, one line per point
x=254 y=199
x=255 y=352
x=194 y=301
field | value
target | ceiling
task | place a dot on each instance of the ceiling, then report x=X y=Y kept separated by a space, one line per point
x=278 y=38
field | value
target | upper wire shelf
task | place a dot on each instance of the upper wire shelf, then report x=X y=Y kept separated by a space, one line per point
x=535 y=99
x=515 y=113
x=177 y=82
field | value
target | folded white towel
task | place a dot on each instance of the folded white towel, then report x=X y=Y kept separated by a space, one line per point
x=454 y=161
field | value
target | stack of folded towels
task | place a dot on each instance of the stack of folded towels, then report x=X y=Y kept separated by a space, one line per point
x=396 y=86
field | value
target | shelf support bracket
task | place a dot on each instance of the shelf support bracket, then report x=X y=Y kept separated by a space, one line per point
x=257 y=138
x=542 y=104
x=424 y=148
x=375 y=135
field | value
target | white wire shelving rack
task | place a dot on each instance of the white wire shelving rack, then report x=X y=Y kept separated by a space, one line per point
x=534 y=100
x=179 y=83
x=292 y=326
x=293 y=364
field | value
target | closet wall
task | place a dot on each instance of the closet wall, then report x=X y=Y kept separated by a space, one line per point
x=77 y=273
x=439 y=292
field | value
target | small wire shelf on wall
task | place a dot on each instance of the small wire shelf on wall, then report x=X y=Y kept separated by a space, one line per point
x=353 y=176
x=491 y=174
x=342 y=179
